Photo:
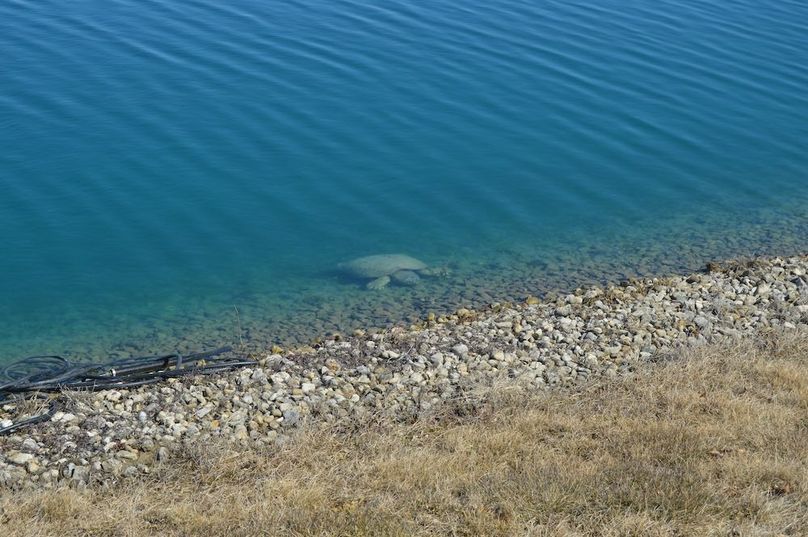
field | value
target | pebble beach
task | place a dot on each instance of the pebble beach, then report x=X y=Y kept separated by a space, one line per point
x=403 y=373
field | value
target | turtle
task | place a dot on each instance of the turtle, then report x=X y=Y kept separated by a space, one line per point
x=381 y=269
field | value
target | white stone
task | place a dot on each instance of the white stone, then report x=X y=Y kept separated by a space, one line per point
x=128 y=455
x=763 y=289
x=20 y=458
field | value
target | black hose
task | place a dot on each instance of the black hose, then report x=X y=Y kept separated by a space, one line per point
x=32 y=420
x=37 y=374
x=21 y=368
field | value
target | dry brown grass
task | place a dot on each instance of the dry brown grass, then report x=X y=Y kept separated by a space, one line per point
x=714 y=443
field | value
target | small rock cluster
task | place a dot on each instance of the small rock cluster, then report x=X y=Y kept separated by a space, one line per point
x=401 y=373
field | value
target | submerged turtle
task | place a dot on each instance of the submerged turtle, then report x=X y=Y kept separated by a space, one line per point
x=384 y=268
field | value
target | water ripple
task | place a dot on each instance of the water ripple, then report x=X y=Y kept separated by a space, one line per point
x=157 y=154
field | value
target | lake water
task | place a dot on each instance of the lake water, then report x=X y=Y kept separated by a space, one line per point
x=184 y=174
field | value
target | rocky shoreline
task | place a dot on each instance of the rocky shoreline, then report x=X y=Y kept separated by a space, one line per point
x=98 y=438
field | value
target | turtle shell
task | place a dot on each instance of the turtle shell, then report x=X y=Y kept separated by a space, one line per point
x=375 y=266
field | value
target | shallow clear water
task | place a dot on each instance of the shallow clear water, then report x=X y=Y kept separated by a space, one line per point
x=185 y=174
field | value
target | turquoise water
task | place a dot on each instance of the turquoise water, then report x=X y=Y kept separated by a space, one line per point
x=187 y=174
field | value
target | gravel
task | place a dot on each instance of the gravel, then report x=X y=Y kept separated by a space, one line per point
x=400 y=373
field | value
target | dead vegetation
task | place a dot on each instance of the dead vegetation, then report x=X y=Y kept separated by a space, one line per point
x=714 y=442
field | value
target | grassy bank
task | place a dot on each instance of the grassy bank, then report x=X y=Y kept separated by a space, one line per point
x=713 y=441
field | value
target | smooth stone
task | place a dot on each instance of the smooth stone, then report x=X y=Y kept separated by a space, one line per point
x=20 y=458
x=291 y=417
x=701 y=322
x=128 y=455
